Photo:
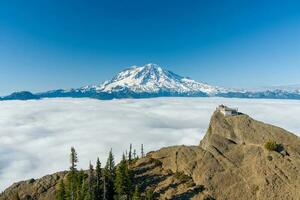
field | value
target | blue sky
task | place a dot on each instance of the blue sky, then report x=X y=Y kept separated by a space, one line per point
x=49 y=44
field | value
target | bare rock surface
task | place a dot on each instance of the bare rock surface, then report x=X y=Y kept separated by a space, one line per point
x=42 y=188
x=231 y=162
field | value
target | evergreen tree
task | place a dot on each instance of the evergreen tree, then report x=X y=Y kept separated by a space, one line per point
x=72 y=176
x=134 y=154
x=91 y=184
x=84 y=190
x=98 y=189
x=142 y=151
x=122 y=181
x=73 y=160
x=104 y=189
x=60 y=191
x=109 y=176
x=136 y=194
x=130 y=153
x=81 y=188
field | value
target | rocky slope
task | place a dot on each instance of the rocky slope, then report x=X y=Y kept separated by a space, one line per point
x=230 y=162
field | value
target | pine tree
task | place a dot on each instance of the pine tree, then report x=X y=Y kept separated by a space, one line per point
x=142 y=151
x=109 y=176
x=136 y=194
x=130 y=153
x=122 y=181
x=73 y=172
x=98 y=189
x=134 y=154
x=84 y=191
x=60 y=191
x=91 y=183
x=81 y=188
x=73 y=160
x=104 y=189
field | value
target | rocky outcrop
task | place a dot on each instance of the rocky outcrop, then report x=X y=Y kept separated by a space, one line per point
x=42 y=188
x=231 y=162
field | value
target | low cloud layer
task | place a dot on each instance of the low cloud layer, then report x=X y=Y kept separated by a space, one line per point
x=35 y=136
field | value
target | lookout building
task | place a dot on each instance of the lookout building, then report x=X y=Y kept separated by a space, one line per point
x=226 y=111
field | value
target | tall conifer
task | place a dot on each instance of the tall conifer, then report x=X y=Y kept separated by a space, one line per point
x=99 y=191
x=60 y=191
x=73 y=172
x=122 y=181
x=109 y=176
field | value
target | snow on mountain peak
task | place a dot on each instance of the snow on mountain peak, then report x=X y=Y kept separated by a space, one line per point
x=152 y=78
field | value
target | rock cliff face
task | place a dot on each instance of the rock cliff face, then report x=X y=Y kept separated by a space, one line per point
x=231 y=162
x=43 y=188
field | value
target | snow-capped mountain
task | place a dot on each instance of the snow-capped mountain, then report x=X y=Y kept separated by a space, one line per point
x=151 y=80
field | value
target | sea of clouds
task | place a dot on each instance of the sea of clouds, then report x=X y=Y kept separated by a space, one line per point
x=36 y=136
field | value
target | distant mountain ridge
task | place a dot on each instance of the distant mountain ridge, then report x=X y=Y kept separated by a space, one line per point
x=152 y=80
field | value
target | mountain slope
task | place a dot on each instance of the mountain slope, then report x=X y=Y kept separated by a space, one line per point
x=230 y=162
x=151 y=80
x=24 y=95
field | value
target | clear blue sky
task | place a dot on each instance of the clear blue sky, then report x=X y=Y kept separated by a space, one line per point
x=49 y=44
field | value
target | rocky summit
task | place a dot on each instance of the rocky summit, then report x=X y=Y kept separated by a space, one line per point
x=231 y=162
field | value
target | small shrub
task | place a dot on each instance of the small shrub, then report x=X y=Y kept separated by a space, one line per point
x=256 y=188
x=191 y=184
x=271 y=145
x=208 y=197
x=169 y=171
x=200 y=188
x=31 y=180
x=156 y=162
x=270 y=158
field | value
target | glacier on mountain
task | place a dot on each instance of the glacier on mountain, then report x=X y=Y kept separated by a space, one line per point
x=151 y=80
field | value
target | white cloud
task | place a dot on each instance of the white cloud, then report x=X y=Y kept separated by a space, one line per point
x=35 y=136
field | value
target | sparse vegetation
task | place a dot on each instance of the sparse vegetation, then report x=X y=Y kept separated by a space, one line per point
x=270 y=158
x=256 y=188
x=169 y=171
x=111 y=182
x=156 y=162
x=271 y=145
x=208 y=197
x=182 y=177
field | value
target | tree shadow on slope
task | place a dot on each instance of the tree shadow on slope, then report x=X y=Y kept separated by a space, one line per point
x=144 y=169
x=190 y=193
x=149 y=180
x=164 y=189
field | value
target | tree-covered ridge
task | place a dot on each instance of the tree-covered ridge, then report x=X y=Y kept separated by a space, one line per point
x=113 y=182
